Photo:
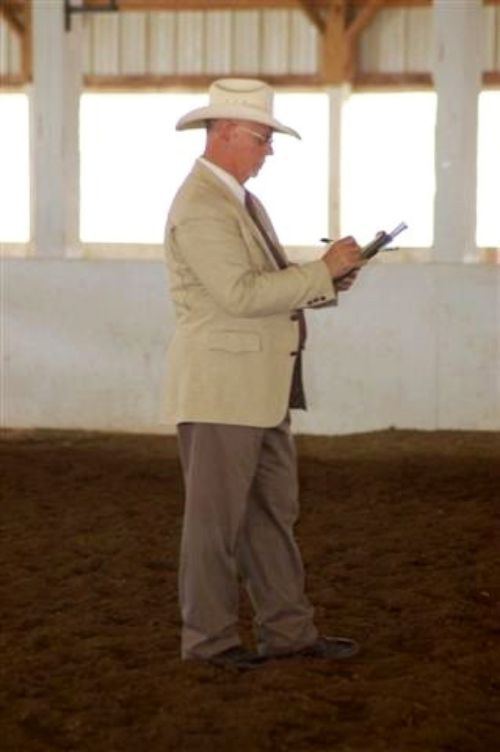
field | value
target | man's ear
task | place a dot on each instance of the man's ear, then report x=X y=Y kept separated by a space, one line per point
x=226 y=129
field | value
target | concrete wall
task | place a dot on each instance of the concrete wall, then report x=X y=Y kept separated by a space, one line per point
x=411 y=346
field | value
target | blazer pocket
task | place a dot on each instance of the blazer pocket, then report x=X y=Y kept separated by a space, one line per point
x=234 y=341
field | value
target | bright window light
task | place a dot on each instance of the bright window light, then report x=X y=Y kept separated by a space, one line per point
x=293 y=183
x=488 y=225
x=133 y=161
x=388 y=166
x=14 y=171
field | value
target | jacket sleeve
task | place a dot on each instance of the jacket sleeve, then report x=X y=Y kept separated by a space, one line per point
x=217 y=253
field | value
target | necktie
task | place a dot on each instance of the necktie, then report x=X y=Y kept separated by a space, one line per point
x=256 y=213
x=297 y=397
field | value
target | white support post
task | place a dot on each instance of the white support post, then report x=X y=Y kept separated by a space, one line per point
x=465 y=375
x=337 y=96
x=457 y=76
x=57 y=76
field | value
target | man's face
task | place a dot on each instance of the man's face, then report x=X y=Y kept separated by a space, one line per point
x=252 y=143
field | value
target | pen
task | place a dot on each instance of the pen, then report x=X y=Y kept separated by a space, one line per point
x=379 y=242
x=387 y=248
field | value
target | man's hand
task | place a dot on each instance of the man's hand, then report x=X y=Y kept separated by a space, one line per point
x=344 y=283
x=342 y=258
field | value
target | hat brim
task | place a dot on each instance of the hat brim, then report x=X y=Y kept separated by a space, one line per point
x=198 y=118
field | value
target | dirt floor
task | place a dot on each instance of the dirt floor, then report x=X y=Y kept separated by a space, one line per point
x=400 y=536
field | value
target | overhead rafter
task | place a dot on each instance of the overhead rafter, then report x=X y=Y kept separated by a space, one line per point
x=206 y=5
x=313 y=8
x=340 y=24
x=13 y=13
x=314 y=14
x=26 y=42
x=340 y=32
x=360 y=21
x=333 y=44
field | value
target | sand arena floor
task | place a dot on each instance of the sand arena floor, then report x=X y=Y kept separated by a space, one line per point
x=400 y=536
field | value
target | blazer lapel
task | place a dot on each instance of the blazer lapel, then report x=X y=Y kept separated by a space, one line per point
x=205 y=175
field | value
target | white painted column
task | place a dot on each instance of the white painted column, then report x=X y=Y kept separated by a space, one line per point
x=337 y=96
x=457 y=76
x=57 y=75
x=466 y=393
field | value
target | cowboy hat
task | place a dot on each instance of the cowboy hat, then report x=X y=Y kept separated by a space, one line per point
x=237 y=99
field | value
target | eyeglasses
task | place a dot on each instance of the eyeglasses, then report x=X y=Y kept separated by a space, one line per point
x=264 y=140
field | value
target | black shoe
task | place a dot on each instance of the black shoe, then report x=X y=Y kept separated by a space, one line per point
x=236 y=658
x=325 y=648
x=330 y=648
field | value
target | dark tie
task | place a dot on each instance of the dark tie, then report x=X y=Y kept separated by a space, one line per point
x=256 y=213
x=297 y=397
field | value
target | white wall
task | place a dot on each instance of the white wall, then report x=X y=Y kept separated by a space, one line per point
x=411 y=346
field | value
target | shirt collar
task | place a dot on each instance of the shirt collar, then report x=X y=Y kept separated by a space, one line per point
x=226 y=178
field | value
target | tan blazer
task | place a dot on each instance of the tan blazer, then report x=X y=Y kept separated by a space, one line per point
x=231 y=357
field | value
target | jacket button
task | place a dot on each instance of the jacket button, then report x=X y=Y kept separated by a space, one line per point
x=294 y=352
x=294 y=317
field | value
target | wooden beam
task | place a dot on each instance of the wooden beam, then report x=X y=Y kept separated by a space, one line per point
x=11 y=14
x=12 y=81
x=422 y=81
x=194 y=81
x=207 y=5
x=491 y=78
x=315 y=5
x=363 y=18
x=26 y=42
x=395 y=3
x=393 y=81
x=313 y=8
x=338 y=46
x=363 y=81
x=333 y=44
x=411 y=3
x=314 y=15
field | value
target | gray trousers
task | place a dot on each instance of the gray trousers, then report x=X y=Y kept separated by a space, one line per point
x=241 y=503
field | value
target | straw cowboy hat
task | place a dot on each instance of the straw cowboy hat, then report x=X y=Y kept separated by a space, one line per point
x=237 y=99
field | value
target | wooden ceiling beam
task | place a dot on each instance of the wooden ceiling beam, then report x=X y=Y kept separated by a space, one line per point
x=315 y=9
x=206 y=5
x=361 y=20
x=314 y=14
x=339 y=22
x=153 y=82
x=12 y=13
x=27 y=42
x=410 y=3
x=18 y=15
x=333 y=44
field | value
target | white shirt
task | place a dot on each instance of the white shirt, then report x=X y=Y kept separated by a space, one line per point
x=226 y=178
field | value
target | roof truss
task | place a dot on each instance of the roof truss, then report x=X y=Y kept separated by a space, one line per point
x=339 y=22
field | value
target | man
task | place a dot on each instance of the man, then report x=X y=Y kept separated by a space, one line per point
x=233 y=373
